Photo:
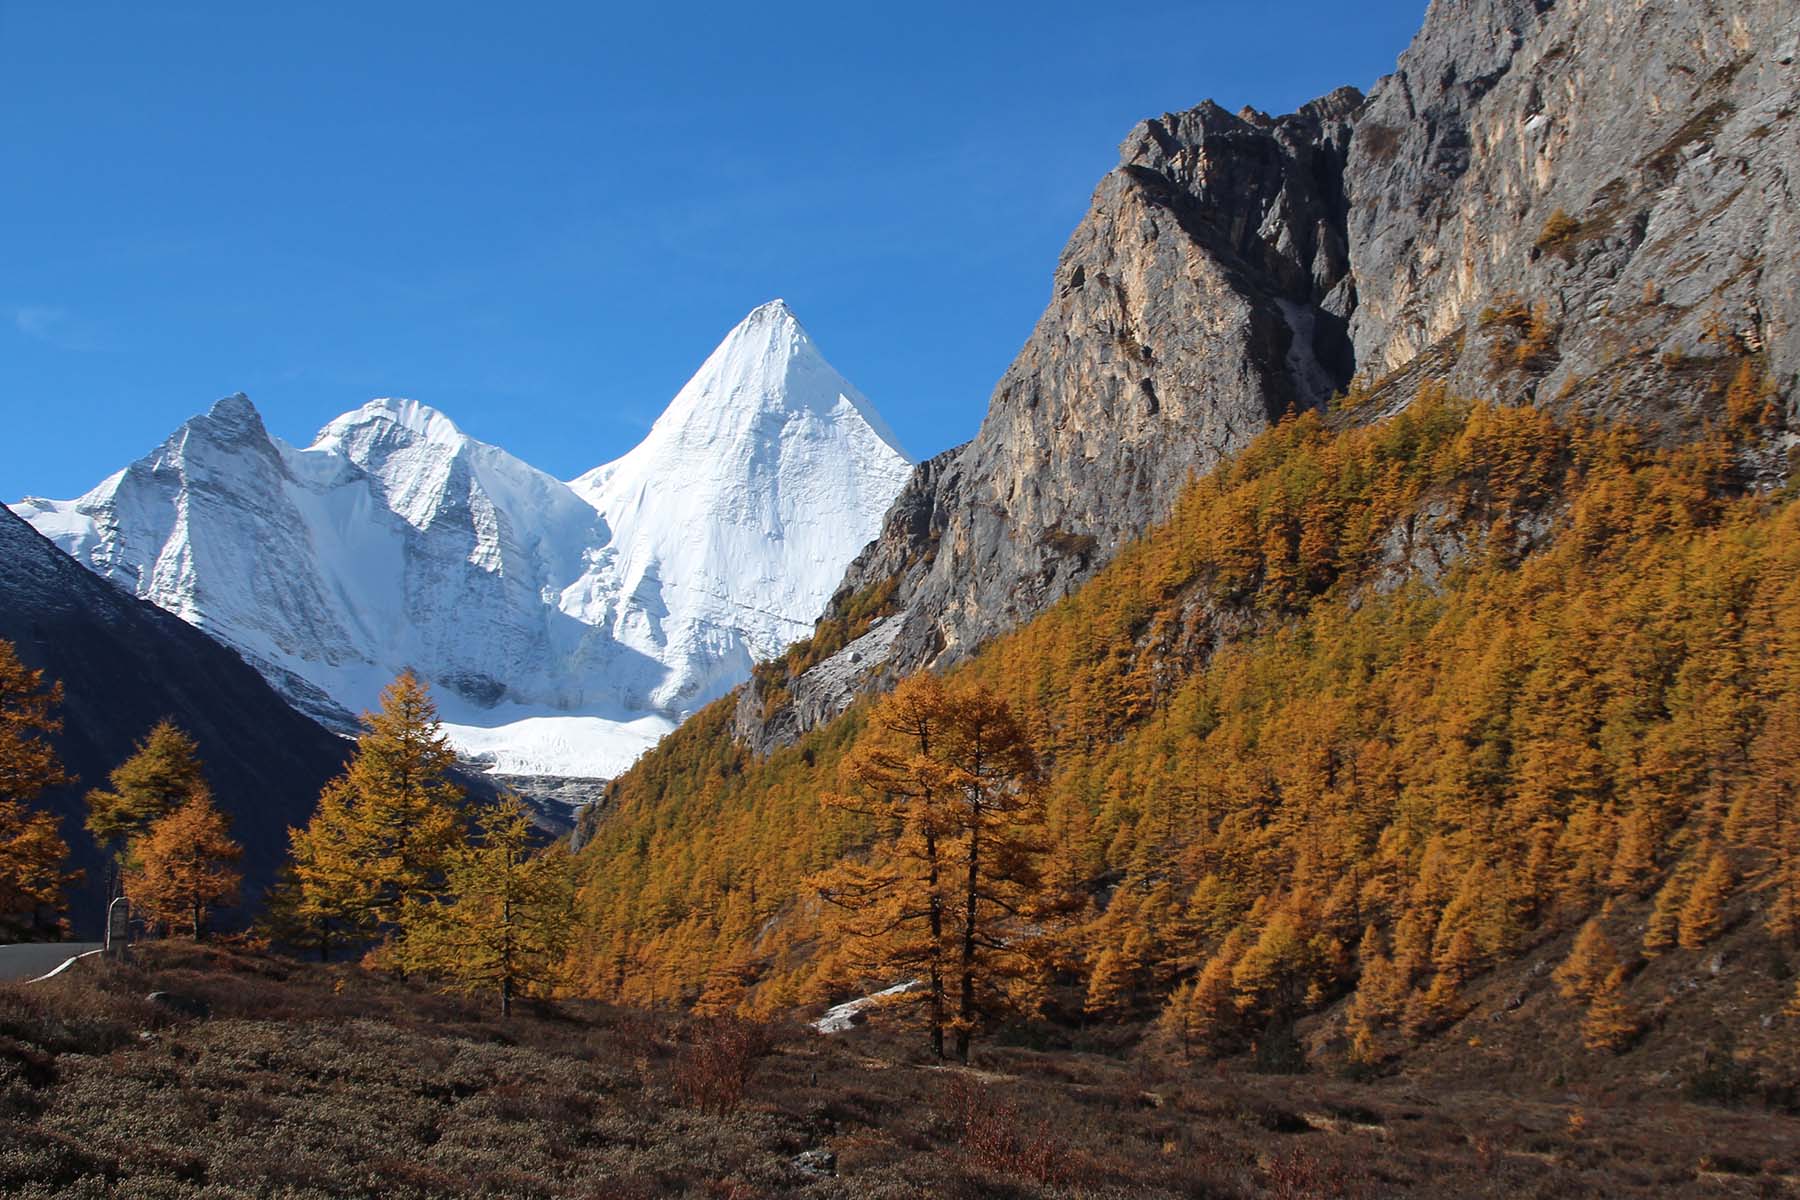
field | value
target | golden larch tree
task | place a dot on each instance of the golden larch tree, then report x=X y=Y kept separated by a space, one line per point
x=163 y=774
x=1704 y=912
x=1591 y=960
x=897 y=900
x=181 y=868
x=505 y=919
x=1766 y=816
x=1610 y=1023
x=946 y=892
x=32 y=851
x=385 y=829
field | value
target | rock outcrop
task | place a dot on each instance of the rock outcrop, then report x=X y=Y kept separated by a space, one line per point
x=1584 y=203
x=1202 y=296
x=1622 y=176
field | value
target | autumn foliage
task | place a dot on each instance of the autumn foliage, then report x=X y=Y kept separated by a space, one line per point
x=162 y=775
x=382 y=835
x=31 y=849
x=1376 y=709
x=947 y=891
x=501 y=922
x=181 y=867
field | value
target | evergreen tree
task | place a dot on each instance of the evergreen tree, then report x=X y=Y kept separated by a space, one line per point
x=504 y=922
x=1704 y=911
x=1609 y=1024
x=384 y=830
x=1591 y=960
x=181 y=868
x=162 y=775
x=32 y=851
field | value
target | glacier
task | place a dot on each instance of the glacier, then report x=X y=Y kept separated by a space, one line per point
x=564 y=626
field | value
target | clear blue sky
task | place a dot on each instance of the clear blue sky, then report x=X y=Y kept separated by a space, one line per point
x=540 y=217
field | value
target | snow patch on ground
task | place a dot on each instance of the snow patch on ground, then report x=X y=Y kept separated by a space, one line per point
x=842 y=1018
x=578 y=747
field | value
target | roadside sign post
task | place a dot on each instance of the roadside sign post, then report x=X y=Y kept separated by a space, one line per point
x=118 y=930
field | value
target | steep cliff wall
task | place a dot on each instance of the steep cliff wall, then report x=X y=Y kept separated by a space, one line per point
x=1201 y=297
x=1624 y=171
x=1589 y=204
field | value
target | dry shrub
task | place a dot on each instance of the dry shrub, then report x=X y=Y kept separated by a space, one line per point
x=1560 y=234
x=716 y=1062
x=1523 y=336
x=995 y=1139
x=74 y=1015
x=1297 y=1176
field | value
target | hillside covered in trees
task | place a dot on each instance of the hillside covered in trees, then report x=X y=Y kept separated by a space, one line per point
x=1381 y=707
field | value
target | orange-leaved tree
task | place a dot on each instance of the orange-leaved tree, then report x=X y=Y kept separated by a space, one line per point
x=163 y=774
x=384 y=829
x=504 y=922
x=31 y=850
x=181 y=868
x=949 y=886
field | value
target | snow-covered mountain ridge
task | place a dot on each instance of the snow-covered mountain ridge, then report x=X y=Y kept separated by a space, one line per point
x=564 y=626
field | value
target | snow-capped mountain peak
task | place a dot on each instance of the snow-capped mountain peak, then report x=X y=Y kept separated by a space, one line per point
x=407 y=420
x=564 y=626
x=779 y=466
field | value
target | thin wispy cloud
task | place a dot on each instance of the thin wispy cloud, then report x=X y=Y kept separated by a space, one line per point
x=56 y=327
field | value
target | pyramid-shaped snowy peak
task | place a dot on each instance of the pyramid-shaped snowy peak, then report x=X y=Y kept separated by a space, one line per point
x=733 y=520
x=563 y=626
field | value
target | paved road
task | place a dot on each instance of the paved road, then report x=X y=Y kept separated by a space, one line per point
x=28 y=960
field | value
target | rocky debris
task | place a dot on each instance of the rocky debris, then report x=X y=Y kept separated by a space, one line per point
x=180 y=1006
x=819 y=1163
x=553 y=799
x=842 y=1018
x=819 y=693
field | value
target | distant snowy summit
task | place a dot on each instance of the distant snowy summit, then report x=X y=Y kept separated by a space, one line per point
x=564 y=626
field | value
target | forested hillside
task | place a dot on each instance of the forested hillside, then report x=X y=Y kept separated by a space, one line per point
x=1380 y=706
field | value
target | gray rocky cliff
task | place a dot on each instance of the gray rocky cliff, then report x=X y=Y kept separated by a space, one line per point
x=1585 y=203
x=1198 y=300
x=1624 y=170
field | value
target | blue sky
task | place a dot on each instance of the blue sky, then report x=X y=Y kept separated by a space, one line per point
x=539 y=218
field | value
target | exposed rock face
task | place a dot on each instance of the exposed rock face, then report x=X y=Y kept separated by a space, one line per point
x=1587 y=203
x=1629 y=167
x=1168 y=345
x=1199 y=299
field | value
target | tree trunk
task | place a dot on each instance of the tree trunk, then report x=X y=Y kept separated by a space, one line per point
x=937 y=943
x=506 y=965
x=966 y=1014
